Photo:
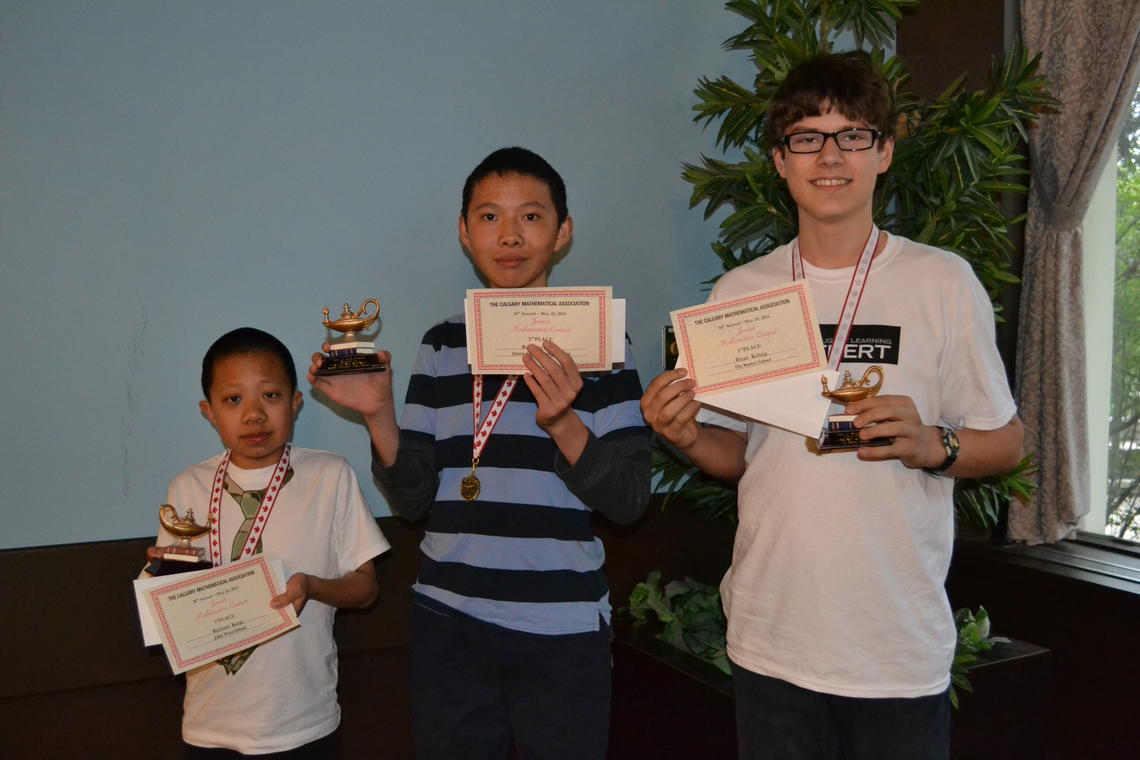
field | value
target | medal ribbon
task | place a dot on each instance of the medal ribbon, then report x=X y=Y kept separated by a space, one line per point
x=483 y=432
x=263 y=511
x=854 y=294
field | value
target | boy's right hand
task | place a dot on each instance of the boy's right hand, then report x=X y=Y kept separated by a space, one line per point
x=369 y=393
x=670 y=408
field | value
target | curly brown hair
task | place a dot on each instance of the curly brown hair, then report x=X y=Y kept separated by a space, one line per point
x=846 y=82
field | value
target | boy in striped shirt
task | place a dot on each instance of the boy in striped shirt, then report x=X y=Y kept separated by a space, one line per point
x=510 y=622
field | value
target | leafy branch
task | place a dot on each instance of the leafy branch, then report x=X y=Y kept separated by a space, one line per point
x=690 y=613
x=977 y=501
x=692 y=620
x=973 y=639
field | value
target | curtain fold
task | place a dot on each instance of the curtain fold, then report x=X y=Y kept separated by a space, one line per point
x=1090 y=54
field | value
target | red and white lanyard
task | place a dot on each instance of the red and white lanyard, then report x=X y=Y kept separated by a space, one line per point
x=854 y=294
x=263 y=511
x=483 y=432
x=469 y=486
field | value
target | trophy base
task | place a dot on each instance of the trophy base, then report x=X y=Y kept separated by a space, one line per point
x=849 y=442
x=842 y=435
x=175 y=561
x=351 y=365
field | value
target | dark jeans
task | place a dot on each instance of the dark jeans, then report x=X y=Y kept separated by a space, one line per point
x=325 y=748
x=477 y=688
x=778 y=721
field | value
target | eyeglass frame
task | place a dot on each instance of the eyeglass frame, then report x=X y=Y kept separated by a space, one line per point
x=876 y=136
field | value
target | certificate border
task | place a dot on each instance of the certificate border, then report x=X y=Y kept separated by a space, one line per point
x=798 y=290
x=603 y=327
x=185 y=663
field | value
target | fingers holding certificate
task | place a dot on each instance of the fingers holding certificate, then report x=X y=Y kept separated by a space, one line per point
x=670 y=409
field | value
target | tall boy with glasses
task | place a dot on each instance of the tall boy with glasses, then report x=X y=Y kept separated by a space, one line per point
x=839 y=629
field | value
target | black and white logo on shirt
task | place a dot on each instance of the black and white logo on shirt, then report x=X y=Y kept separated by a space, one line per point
x=867 y=344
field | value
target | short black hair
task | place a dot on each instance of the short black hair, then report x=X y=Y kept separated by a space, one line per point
x=245 y=340
x=848 y=82
x=517 y=160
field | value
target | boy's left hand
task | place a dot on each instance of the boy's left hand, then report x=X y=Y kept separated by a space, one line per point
x=554 y=381
x=916 y=445
x=296 y=591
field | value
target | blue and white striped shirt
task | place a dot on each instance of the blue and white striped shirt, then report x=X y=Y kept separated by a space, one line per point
x=523 y=554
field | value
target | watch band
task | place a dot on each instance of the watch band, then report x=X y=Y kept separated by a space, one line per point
x=951 y=445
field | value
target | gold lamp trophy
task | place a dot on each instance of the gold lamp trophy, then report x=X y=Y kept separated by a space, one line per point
x=840 y=432
x=349 y=355
x=181 y=557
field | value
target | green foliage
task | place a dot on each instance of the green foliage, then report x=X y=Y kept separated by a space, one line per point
x=979 y=501
x=693 y=621
x=1123 y=507
x=973 y=639
x=1128 y=146
x=716 y=499
x=954 y=158
x=689 y=612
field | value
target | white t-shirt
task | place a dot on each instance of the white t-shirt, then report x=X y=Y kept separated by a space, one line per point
x=836 y=583
x=285 y=693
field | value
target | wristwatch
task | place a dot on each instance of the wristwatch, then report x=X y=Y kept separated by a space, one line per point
x=950 y=443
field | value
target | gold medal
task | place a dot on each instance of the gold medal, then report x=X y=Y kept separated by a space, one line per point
x=469 y=487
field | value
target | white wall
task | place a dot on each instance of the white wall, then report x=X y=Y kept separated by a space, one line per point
x=171 y=170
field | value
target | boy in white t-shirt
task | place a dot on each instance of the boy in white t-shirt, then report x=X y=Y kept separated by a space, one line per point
x=278 y=699
x=839 y=629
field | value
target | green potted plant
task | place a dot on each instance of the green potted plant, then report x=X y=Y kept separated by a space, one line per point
x=690 y=618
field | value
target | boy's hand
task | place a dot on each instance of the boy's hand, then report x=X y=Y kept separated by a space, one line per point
x=916 y=445
x=367 y=392
x=554 y=380
x=296 y=592
x=670 y=408
x=153 y=553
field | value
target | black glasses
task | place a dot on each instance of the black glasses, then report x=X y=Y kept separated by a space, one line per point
x=848 y=139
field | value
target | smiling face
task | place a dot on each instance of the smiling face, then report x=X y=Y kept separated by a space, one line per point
x=832 y=186
x=252 y=404
x=512 y=231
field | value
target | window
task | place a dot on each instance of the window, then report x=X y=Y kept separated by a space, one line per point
x=1113 y=329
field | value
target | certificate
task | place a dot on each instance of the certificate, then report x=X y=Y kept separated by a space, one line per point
x=756 y=338
x=501 y=323
x=201 y=617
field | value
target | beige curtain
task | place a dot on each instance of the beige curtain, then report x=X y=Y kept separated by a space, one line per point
x=1090 y=53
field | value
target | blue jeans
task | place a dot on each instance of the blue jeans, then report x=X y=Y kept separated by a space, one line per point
x=776 y=720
